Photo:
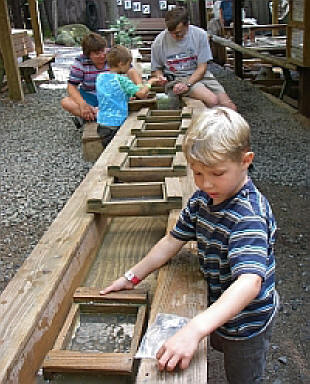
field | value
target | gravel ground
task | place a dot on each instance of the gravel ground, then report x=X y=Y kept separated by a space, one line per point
x=41 y=165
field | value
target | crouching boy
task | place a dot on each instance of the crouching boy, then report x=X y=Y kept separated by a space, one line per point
x=234 y=227
x=113 y=93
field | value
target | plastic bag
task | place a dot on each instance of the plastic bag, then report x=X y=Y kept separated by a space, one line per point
x=164 y=326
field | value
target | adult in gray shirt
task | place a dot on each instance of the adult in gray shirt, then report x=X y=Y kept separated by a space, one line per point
x=181 y=53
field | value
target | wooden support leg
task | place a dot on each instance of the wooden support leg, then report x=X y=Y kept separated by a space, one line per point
x=2 y=72
x=27 y=72
x=304 y=91
x=50 y=72
x=287 y=82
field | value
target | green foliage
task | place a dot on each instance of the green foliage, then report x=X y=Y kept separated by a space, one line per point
x=125 y=33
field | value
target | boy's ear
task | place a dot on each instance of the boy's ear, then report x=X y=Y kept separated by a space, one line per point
x=248 y=158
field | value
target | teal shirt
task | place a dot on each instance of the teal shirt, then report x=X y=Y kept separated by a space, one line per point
x=113 y=92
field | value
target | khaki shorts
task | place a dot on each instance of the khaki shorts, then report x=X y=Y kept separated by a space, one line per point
x=209 y=82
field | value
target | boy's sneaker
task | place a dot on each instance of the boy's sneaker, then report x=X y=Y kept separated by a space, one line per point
x=78 y=121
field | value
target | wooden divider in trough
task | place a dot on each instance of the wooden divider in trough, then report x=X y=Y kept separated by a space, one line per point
x=117 y=315
x=147 y=146
x=160 y=128
x=148 y=168
x=164 y=115
x=137 y=199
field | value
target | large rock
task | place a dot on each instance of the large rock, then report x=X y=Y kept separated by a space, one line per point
x=71 y=34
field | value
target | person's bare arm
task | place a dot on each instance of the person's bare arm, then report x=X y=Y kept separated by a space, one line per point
x=143 y=91
x=86 y=111
x=162 y=80
x=180 y=348
x=163 y=251
x=134 y=76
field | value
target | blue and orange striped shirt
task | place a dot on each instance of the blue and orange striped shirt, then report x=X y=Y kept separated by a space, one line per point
x=234 y=238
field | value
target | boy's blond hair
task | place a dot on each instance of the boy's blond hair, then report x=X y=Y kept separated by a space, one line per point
x=118 y=54
x=218 y=134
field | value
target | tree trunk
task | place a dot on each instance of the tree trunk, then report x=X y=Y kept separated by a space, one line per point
x=112 y=12
x=46 y=28
x=18 y=20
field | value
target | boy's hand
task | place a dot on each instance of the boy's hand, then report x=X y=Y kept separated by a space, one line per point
x=118 y=285
x=178 y=349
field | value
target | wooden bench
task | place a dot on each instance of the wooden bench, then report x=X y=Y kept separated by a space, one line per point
x=29 y=67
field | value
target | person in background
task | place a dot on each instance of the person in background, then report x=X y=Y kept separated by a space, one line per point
x=114 y=91
x=234 y=227
x=226 y=12
x=82 y=101
x=180 y=54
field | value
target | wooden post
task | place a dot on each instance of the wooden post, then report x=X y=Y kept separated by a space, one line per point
x=275 y=16
x=36 y=25
x=55 y=17
x=202 y=13
x=8 y=54
x=238 y=38
x=304 y=91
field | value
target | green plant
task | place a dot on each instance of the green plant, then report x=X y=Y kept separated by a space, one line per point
x=125 y=33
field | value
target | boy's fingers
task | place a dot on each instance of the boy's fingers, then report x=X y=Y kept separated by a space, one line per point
x=162 y=361
x=172 y=363
x=184 y=363
x=104 y=291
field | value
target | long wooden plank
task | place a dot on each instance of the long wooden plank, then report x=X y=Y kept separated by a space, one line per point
x=41 y=291
x=181 y=290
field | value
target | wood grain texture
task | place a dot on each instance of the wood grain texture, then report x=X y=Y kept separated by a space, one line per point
x=74 y=361
x=41 y=291
x=128 y=240
x=85 y=294
x=180 y=290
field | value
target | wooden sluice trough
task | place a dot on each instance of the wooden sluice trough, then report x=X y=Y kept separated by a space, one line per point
x=90 y=250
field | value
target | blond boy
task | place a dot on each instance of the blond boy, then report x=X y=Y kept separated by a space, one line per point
x=234 y=227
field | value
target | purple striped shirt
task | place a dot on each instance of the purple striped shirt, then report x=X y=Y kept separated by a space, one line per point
x=84 y=73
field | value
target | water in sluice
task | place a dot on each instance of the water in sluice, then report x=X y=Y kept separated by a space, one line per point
x=103 y=332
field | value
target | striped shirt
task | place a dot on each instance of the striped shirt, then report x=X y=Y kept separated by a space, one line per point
x=84 y=73
x=234 y=238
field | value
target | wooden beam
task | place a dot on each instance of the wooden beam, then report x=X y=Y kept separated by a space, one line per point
x=304 y=91
x=36 y=25
x=278 y=61
x=238 y=38
x=8 y=54
x=275 y=14
x=180 y=290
